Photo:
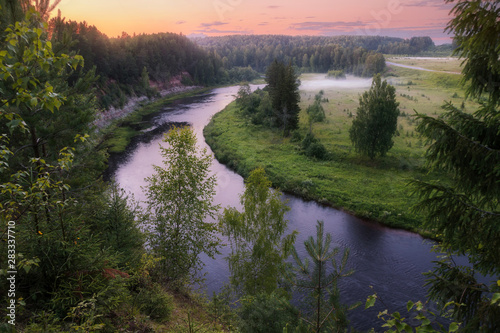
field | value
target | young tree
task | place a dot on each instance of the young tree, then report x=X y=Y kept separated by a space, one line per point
x=179 y=200
x=376 y=120
x=256 y=235
x=283 y=87
x=466 y=212
x=316 y=112
x=320 y=281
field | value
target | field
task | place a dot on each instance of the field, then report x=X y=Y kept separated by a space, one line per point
x=378 y=189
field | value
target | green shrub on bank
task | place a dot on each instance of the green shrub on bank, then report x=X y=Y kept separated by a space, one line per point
x=154 y=302
x=267 y=313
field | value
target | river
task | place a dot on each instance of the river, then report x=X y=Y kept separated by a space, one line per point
x=391 y=261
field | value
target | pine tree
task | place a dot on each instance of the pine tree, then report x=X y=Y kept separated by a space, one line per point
x=320 y=281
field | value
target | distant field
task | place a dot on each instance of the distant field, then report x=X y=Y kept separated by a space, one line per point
x=373 y=189
x=446 y=64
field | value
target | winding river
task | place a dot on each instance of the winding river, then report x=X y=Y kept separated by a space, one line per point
x=391 y=261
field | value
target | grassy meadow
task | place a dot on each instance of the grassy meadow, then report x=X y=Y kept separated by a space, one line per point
x=378 y=189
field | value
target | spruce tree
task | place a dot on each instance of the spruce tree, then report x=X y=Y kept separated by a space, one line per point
x=283 y=87
x=465 y=213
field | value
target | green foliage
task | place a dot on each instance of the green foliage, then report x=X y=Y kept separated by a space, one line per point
x=283 y=87
x=243 y=96
x=394 y=322
x=358 y=55
x=179 y=200
x=256 y=106
x=315 y=112
x=476 y=28
x=342 y=180
x=320 y=282
x=376 y=120
x=465 y=214
x=313 y=148
x=256 y=235
x=266 y=313
x=336 y=74
x=65 y=269
x=316 y=150
x=154 y=302
x=114 y=222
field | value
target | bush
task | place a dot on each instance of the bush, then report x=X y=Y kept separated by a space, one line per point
x=267 y=313
x=308 y=140
x=154 y=302
x=296 y=136
x=313 y=148
x=316 y=150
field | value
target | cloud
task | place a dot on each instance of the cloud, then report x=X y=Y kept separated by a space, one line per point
x=211 y=24
x=180 y=22
x=429 y=3
x=433 y=29
x=224 y=32
x=263 y=23
x=273 y=7
x=327 y=26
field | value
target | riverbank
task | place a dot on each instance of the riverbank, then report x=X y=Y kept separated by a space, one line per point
x=375 y=190
x=120 y=126
x=105 y=118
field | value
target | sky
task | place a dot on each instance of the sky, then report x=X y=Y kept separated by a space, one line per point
x=395 y=18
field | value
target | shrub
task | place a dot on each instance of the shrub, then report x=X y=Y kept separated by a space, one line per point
x=308 y=140
x=316 y=150
x=296 y=136
x=267 y=313
x=154 y=302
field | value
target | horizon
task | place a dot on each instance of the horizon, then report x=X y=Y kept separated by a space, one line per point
x=389 y=18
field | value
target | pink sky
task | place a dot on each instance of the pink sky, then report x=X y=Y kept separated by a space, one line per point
x=396 y=18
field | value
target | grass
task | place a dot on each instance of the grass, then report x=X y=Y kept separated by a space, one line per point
x=190 y=314
x=446 y=64
x=378 y=189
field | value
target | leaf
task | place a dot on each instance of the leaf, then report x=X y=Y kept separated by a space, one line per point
x=495 y=298
x=409 y=305
x=453 y=327
x=370 y=301
x=13 y=124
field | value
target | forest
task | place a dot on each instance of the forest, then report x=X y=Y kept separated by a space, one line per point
x=79 y=255
x=355 y=54
x=123 y=64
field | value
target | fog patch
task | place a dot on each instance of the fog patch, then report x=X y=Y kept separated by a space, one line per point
x=316 y=82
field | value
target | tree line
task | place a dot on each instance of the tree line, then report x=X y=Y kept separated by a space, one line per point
x=142 y=64
x=309 y=53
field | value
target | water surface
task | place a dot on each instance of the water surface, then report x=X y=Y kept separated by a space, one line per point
x=391 y=261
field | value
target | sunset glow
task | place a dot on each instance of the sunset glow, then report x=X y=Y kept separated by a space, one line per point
x=396 y=18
